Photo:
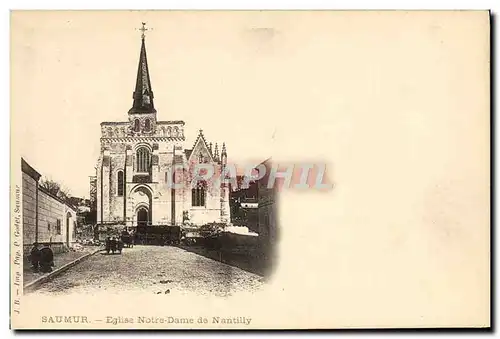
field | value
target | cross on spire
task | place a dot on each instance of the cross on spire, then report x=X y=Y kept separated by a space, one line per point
x=143 y=94
x=143 y=30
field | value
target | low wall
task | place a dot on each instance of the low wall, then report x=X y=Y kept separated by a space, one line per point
x=243 y=251
x=235 y=243
x=232 y=240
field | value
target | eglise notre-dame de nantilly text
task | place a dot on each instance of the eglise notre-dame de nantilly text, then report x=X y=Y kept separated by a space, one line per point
x=136 y=158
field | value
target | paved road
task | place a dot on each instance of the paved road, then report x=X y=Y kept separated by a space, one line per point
x=152 y=269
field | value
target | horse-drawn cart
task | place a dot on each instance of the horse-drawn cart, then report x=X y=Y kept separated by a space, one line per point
x=127 y=239
x=114 y=245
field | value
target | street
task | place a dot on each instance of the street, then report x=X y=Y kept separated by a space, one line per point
x=152 y=269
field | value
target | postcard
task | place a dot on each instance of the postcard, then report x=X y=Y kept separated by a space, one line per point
x=250 y=169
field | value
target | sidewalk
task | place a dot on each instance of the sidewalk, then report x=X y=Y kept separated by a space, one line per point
x=60 y=260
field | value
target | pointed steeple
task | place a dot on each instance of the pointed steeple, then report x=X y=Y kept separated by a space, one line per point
x=143 y=94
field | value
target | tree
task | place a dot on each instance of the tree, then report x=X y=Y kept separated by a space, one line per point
x=55 y=189
x=89 y=217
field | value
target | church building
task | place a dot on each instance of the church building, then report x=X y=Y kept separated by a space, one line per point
x=136 y=162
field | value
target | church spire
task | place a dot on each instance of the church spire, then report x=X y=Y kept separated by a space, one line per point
x=143 y=94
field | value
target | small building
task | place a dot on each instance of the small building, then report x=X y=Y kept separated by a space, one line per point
x=267 y=214
x=244 y=204
x=47 y=219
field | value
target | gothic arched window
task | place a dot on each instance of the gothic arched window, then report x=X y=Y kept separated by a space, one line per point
x=169 y=132
x=147 y=125
x=119 y=180
x=198 y=194
x=137 y=125
x=175 y=133
x=143 y=160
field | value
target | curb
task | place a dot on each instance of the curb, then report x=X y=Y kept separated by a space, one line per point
x=31 y=286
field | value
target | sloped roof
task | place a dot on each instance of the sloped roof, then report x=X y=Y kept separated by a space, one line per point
x=143 y=94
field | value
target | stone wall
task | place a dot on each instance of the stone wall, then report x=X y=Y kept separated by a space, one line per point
x=117 y=163
x=50 y=219
x=268 y=214
x=29 y=211
x=56 y=220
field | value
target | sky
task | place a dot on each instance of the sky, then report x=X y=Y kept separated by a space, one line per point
x=73 y=71
x=343 y=88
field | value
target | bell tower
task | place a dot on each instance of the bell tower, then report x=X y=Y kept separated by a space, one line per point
x=142 y=115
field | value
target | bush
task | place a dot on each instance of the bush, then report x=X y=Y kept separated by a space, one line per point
x=211 y=230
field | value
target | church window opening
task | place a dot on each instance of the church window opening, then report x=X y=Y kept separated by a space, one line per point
x=147 y=125
x=143 y=160
x=175 y=133
x=145 y=98
x=120 y=183
x=198 y=194
x=137 y=125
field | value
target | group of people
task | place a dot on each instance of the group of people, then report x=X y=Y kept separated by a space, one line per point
x=126 y=236
x=41 y=259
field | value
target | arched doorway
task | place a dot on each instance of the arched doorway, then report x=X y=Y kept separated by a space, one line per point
x=142 y=216
x=141 y=199
x=68 y=221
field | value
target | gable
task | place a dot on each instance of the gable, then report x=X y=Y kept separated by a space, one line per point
x=200 y=147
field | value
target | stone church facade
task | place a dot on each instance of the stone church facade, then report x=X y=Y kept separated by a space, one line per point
x=138 y=159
